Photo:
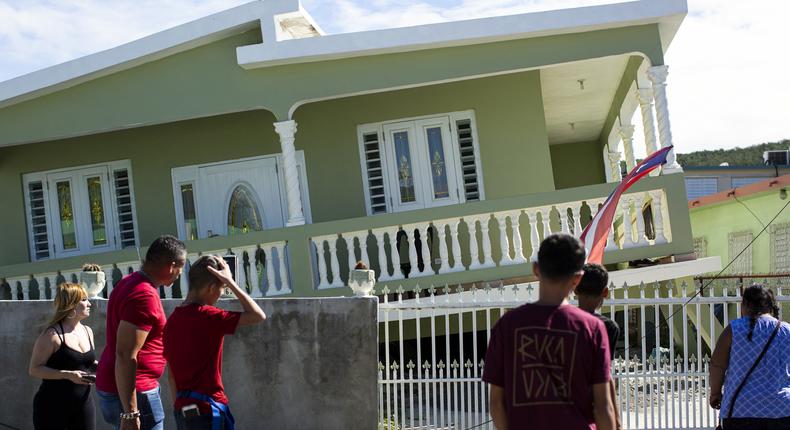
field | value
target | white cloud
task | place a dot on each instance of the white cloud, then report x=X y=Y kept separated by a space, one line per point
x=727 y=83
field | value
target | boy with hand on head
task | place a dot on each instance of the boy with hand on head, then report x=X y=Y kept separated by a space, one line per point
x=591 y=291
x=193 y=341
x=547 y=362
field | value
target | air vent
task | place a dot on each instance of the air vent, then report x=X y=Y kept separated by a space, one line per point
x=38 y=220
x=375 y=172
x=466 y=146
x=123 y=201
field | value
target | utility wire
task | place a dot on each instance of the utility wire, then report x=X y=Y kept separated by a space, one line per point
x=748 y=209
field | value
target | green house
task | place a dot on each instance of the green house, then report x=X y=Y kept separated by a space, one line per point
x=437 y=154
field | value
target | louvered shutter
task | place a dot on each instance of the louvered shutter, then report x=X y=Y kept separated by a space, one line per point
x=374 y=172
x=469 y=168
x=123 y=202
x=38 y=220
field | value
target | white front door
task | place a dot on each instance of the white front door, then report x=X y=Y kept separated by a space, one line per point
x=81 y=215
x=239 y=197
x=423 y=161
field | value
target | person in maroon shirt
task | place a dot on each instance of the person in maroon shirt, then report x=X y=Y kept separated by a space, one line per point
x=547 y=363
x=132 y=361
x=193 y=345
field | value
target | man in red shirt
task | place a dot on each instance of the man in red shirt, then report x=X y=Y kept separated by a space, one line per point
x=193 y=345
x=548 y=362
x=132 y=361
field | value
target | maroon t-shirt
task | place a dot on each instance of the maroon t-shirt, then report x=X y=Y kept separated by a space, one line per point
x=547 y=358
x=193 y=349
x=135 y=300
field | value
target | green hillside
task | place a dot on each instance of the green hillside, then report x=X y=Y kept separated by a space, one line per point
x=748 y=156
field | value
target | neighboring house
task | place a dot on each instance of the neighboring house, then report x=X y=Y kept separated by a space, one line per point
x=726 y=223
x=438 y=154
x=706 y=180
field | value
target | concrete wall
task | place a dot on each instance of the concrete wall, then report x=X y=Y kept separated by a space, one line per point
x=311 y=365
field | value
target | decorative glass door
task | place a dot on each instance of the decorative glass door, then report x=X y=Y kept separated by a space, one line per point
x=421 y=163
x=81 y=217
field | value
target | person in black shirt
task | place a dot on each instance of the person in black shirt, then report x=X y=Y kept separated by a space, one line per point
x=591 y=291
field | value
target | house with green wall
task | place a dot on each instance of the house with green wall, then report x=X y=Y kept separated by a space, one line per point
x=438 y=154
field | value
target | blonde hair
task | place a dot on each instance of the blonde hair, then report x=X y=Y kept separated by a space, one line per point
x=67 y=297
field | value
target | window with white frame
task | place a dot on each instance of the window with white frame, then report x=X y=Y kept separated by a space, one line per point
x=700 y=247
x=81 y=210
x=780 y=248
x=420 y=162
x=740 y=252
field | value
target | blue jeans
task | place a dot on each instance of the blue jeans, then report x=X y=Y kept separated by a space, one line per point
x=152 y=414
x=200 y=422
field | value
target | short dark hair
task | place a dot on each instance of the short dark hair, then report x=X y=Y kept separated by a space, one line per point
x=199 y=275
x=560 y=256
x=164 y=250
x=594 y=281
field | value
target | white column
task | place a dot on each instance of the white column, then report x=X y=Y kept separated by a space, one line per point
x=627 y=135
x=474 y=253
x=545 y=216
x=628 y=238
x=352 y=258
x=456 y=245
x=534 y=240
x=645 y=98
x=504 y=241
x=563 y=211
x=614 y=166
x=293 y=194
x=658 y=217
x=333 y=261
x=577 y=219
x=384 y=274
x=488 y=261
x=639 y=201
x=518 y=247
x=444 y=266
x=269 y=269
x=397 y=273
x=285 y=286
x=323 y=281
x=658 y=77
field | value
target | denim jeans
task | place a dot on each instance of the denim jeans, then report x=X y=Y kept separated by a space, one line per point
x=757 y=423
x=200 y=422
x=152 y=414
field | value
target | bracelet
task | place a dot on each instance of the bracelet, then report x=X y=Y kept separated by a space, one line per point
x=133 y=415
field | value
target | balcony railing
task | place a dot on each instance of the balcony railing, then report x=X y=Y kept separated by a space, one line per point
x=472 y=242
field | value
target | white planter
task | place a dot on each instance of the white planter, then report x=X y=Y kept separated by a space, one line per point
x=93 y=283
x=362 y=282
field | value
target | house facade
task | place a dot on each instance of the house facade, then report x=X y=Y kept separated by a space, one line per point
x=437 y=154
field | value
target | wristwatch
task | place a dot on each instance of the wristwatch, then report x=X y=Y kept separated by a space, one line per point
x=133 y=415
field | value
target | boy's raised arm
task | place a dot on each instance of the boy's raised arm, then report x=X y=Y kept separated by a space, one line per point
x=252 y=314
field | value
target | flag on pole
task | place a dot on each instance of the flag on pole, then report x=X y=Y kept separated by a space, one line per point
x=595 y=234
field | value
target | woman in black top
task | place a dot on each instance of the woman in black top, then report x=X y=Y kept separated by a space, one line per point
x=64 y=358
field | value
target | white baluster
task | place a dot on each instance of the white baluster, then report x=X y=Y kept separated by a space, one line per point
x=471 y=223
x=352 y=258
x=504 y=241
x=397 y=272
x=518 y=247
x=26 y=289
x=563 y=211
x=658 y=217
x=488 y=260
x=323 y=281
x=423 y=253
x=108 y=278
x=383 y=272
x=362 y=238
x=545 y=215
x=271 y=280
x=457 y=265
x=532 y=219
x=285 y=286
x=625 y=207
x=255 y=290
x=639 y=202
x=411 y=237
x=577 y=218
x=444 y=265
x=335 y=264
x=40 y=280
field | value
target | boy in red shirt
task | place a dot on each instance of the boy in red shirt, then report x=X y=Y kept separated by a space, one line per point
x=193 y=341
x=547 y=362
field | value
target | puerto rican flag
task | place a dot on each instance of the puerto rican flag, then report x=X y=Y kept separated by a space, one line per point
x=595 y=234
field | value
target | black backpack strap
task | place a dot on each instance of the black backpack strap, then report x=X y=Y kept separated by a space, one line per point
x=754 y=366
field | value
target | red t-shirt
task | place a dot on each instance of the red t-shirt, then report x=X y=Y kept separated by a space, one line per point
x=135 y=300
x=193 y=348
x=547 y=358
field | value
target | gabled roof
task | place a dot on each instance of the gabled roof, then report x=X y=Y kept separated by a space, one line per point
x=290 y=36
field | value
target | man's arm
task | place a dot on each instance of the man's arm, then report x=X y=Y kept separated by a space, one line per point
x=252 y=313
x=719 y=361
x=497 y=407
x=129 y=341
x=602 y=407
x=615 y=409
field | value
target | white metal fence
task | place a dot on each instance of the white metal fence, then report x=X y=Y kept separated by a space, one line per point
x=434 y=342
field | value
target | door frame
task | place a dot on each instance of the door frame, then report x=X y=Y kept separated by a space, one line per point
x=189 y=174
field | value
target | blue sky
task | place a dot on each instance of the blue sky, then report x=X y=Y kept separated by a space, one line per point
x=728 y=82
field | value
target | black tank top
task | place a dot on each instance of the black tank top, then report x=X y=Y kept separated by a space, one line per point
x=67 y=358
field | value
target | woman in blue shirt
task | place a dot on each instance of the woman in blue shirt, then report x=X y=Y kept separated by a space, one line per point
x=764 y=401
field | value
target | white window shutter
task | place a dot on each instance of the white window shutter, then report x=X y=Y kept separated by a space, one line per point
x=38 y=220
x=371 y=146
x=125 y=210
x=469 y=168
